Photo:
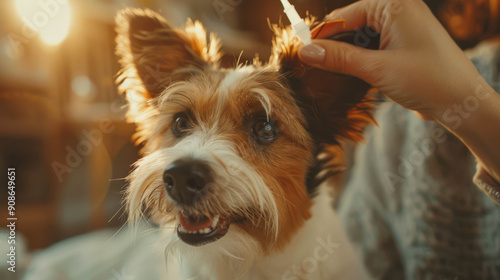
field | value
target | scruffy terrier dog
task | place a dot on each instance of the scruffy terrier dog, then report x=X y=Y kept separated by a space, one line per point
x=236 y=161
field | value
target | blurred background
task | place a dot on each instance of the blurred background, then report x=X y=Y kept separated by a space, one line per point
x=62 y=122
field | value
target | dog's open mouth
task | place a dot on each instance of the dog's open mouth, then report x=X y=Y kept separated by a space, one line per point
x=201 y=230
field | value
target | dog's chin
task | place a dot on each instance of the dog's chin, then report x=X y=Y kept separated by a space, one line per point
x=202 y=230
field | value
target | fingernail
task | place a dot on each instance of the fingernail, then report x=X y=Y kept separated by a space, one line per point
x=334 y=15
x=330 y=15
x=312 y=54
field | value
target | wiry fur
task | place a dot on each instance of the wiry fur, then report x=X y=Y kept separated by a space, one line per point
x=257 y=86
x=334 y=105
x=167 y=71
x=154 y=55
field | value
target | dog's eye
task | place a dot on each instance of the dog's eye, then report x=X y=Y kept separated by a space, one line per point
x=265 y=131
x=180 y=124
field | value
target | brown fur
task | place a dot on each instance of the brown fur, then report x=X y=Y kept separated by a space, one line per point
x=334 y=105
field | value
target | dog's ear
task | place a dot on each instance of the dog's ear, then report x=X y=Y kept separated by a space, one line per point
x=335 y=106
x=152 y=53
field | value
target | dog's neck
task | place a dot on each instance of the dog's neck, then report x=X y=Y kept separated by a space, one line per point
x=319 y=250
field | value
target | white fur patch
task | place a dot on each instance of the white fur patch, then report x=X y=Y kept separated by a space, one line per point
x=233 y=78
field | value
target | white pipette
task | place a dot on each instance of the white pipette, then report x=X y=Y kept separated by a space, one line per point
x=300 y=28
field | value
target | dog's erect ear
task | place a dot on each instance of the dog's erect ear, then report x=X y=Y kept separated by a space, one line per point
x=152 y=53
x=335 y=106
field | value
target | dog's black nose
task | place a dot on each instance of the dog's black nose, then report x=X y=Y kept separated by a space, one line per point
x=185 y=180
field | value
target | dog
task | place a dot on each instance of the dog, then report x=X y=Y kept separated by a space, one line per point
x=237 y=161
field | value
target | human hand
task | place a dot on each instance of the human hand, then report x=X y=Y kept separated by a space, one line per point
x=417 y=65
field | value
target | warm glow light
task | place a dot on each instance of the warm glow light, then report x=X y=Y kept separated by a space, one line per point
x=82 y=86
x=50 y=18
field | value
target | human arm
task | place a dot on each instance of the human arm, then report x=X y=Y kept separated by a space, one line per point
x=419 y=67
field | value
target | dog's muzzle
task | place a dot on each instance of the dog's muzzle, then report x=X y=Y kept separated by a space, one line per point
x=186 y=180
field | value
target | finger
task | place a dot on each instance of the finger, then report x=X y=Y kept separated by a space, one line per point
x=355 y=16
x=337 y=57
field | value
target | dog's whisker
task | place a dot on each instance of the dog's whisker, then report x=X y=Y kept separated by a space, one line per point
x=112 y=236
x=117 y=179
x=116 y=213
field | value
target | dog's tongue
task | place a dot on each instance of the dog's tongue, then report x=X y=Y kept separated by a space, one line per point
x=196 y=224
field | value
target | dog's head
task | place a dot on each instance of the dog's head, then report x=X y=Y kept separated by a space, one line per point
x=229 y=154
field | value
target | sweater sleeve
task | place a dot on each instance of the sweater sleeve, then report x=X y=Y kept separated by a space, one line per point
x=486 y=58
x=487 y=184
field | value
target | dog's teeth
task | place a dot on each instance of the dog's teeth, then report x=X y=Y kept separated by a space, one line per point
x=201 y=231
x=206 y=230
x=215 y=221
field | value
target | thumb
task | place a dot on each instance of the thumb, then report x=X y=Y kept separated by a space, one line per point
x=336 y=56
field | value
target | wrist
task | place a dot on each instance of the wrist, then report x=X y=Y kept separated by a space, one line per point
x=476 y=124
x=469 y=112
x=461 y=100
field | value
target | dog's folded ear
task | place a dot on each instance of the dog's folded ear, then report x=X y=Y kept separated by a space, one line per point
x=334 y=105
x=152 y=53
